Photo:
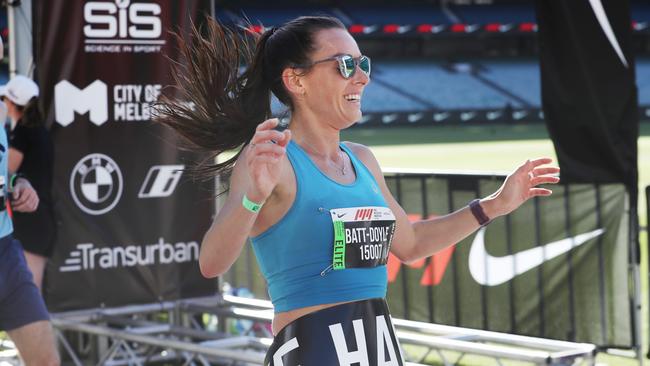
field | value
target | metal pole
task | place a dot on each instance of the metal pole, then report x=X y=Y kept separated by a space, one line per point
x=11 y=18
x=601 y=266
x=21 y=56
x=405 y=289
x=647 y=230
x=213 y=9
x=540 y=274
x=636 y=279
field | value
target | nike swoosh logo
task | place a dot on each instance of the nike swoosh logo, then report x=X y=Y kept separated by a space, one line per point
x=519 y=114
x=493 y=115
x=466 y=116
x=365 y=119
x=492 y=271
x=601 y=16
x=440 y=116
x=389 y=118
x=414 y=117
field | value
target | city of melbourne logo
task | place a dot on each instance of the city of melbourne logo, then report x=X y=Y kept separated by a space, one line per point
x=128 y=102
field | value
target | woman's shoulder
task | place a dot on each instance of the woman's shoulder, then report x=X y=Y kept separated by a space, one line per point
x=363 y=153
x=358 y=149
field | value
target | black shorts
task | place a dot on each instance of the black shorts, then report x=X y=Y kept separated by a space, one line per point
x=359 y=333
x=20 y=301
x=36 y=231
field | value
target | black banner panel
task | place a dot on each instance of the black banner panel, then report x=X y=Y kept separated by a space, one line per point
x=590 y=101
x=130 y=220
x=589 y=95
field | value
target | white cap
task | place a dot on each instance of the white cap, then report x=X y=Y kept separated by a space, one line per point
x=20 y=90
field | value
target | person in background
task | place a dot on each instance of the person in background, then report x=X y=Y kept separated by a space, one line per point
x=31 y=154
x=23 y=314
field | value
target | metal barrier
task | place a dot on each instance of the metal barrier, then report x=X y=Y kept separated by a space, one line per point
x=136 y=335
x=8 y=352
x=647 y=231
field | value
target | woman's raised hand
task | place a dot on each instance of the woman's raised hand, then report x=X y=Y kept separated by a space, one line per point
x=264 y=157
x=523 y=183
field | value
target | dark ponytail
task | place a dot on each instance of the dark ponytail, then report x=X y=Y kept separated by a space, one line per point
x=32 y=116
x=217 y=109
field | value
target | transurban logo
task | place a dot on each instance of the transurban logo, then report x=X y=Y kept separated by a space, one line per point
x=88 y=257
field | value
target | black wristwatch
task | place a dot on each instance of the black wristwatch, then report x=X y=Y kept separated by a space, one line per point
x=479 y=214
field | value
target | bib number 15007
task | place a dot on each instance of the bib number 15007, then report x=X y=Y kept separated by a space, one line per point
x=362 y=236
x=370 y=251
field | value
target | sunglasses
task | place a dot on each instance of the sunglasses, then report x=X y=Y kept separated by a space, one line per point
x=347 y=64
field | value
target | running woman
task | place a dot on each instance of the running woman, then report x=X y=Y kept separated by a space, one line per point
x=317 y=210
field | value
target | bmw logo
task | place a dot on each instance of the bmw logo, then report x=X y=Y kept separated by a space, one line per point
x=96 y=184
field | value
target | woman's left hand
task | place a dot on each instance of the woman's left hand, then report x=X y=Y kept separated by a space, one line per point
x=523 y=183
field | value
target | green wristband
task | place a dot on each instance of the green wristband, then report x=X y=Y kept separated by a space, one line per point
x=251 y=206
x=13 y=179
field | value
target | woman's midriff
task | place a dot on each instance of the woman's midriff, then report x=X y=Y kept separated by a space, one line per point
x=281 y=320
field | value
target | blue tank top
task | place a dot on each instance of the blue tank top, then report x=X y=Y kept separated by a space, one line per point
x=295 y=254
x=6 y=227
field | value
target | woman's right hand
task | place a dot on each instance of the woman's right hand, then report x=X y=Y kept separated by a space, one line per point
x=264 y=157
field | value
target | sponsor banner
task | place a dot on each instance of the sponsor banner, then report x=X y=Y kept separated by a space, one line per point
x=555 y=268
x=595 y=134
x=130 y=222
x=597 y=57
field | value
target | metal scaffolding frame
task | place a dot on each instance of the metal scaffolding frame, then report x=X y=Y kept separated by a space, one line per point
x=175 y=331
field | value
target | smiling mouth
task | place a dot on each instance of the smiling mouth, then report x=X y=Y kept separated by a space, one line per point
x=353 y=98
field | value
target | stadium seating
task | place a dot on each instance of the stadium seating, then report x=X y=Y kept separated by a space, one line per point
x=485 y=14
x=396 y=15
x=480 y=84
x=271 y=16
x=453 y=86
x=520 y=78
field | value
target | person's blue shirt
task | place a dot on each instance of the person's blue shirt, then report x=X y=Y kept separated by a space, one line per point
x=6 y=226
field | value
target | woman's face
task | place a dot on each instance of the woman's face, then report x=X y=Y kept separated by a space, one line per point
x=331 y=97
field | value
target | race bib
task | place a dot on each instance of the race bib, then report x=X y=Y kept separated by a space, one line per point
x=362 y=236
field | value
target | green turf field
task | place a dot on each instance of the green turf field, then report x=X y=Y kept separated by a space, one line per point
x=490 y=149
x=473 y=148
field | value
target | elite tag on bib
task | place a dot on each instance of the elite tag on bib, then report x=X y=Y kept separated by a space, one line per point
x=362 y=236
